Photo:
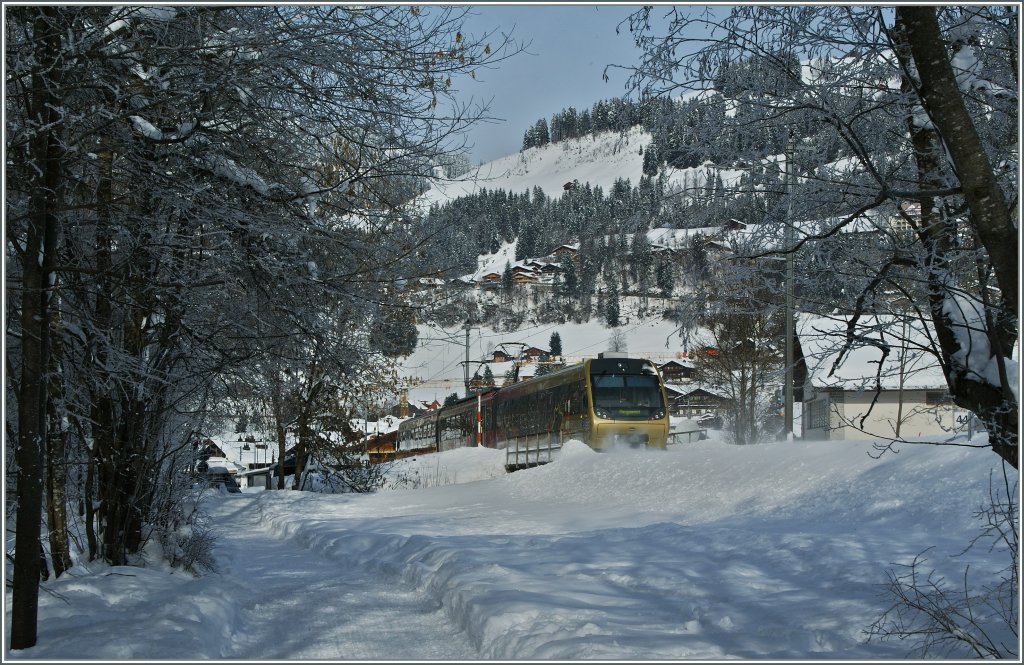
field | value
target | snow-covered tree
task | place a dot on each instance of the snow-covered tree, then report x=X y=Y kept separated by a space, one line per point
x=488 y=378
x=506 y=279
x=664 y=276
x=611 y=305
x=170 y=171
x=901 y=119
x=739 y=356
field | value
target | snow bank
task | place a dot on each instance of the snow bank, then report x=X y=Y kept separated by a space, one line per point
x=707 y=551
x=703 y=551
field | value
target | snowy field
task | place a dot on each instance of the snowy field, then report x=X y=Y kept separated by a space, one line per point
x=704 y=551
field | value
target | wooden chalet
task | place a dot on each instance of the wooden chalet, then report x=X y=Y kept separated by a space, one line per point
x=566 y=251
x=209 y=448
x=675 y=371
x=532 y=353
x=696 y=401
x=524 y=277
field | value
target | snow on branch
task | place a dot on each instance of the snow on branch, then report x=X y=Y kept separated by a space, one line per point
x=975 y=356
x=150 y=131
x=967 y=69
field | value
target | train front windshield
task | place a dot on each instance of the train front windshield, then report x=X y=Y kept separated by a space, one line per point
x=627 y=396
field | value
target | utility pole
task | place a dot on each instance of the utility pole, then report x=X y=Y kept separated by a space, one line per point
x=790 y=305
x=466 y=366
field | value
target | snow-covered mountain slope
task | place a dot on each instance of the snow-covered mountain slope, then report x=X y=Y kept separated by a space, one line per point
x=597 y=159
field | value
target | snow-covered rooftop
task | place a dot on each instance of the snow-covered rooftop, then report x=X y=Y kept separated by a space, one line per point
x=889 y=351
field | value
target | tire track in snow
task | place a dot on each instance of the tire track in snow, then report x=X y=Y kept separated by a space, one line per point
x=295 y=603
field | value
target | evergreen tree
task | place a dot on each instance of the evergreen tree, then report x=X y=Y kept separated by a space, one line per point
x=540 y=133
x=612 y=305
x=555 y=345
x=527 y=243
x=506 y=278
x=664 y=277
x=641 y=258
x=570 y=280
x=542 y=368
x=698 y=258
x=652 y=160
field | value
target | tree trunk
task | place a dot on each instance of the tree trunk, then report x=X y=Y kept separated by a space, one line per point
x=282 y=439
x=88 y=506
x=300 y=447
x=56 y=505
x=990 y=218
x=41 y=238
x=56 y=469
x=942 y=98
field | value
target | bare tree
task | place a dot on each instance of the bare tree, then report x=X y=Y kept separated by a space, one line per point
x=894 y=118
x=165 y=166
x=945 y=619
x=737 y=352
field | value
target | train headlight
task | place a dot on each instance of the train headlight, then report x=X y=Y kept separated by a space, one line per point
x=601 y=413
x=658 y=415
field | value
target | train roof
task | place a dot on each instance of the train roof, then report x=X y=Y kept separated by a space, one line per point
x=606 y=364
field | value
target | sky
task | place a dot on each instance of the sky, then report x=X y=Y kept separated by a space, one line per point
x=569 y=47
x=704 y=551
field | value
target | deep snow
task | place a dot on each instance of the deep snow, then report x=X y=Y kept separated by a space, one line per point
x=703 y=551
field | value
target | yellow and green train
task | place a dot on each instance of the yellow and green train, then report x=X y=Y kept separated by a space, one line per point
x=605 y=402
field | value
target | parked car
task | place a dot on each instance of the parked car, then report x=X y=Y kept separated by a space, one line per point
x=223 y=480
x=709 y=421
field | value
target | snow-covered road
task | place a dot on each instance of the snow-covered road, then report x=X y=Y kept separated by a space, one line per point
x=296 y=603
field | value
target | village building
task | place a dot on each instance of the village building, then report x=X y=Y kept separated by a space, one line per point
x=675 y=371
x=697 y=402
x=490 y=280
x=567 y=252
x=524 y=275
x=532 y=353
x=895 y=388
